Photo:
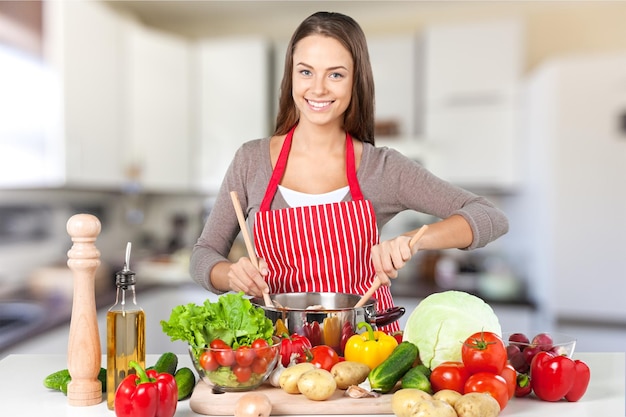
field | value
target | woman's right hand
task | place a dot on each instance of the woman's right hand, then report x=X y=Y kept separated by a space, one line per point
x=243 y=276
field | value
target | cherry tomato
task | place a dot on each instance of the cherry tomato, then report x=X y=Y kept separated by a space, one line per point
x=243 y=373
x=224 y=356
x=244 y=355
x=218 y=344
x=323 y=357
x=490 y=383
x=449 y=375
x=207 y=361
x=484 y=352
x=259 y=365
x=260 y=343
x=510 y=376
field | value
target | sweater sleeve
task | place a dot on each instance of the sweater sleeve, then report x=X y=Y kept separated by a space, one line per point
x=403 y=184
x=246 y=175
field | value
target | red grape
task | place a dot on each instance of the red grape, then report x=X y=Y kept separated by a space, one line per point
x=543 y=341
x=518 y=339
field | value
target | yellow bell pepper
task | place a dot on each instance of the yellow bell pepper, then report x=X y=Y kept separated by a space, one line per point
x=280 y=329
x=371 y=347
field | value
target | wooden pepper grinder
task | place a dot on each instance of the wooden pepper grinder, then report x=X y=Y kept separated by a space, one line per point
x=84 y=353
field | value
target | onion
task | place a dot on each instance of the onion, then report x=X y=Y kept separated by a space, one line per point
x=253 y=404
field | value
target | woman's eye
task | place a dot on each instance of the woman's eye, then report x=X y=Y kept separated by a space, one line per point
x=336 y=75
x=305 y=72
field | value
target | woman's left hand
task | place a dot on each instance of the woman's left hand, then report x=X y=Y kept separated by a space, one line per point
x=390 y=256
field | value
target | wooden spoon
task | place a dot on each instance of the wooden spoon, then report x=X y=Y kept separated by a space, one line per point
x=246 y=238
x=376 y=282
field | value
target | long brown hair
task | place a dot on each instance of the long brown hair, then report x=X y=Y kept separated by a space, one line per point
x=359 y=116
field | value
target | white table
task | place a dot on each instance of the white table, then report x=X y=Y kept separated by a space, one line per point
x=22 y=392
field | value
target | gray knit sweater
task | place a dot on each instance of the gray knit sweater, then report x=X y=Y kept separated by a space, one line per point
x=391 y=181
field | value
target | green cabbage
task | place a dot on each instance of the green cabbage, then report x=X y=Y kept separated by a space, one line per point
x=442 y=321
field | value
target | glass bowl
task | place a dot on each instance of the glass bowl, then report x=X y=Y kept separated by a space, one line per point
x=521 y=348
x=241 y=369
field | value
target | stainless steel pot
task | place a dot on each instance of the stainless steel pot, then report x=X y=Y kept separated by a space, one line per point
x=331 y=324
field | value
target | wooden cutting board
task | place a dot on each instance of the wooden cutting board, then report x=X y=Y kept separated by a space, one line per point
x=204 y=401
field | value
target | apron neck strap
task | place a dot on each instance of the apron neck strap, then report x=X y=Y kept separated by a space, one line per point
x=281 y=164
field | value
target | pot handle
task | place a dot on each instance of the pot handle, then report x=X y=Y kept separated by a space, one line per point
x=389 y=316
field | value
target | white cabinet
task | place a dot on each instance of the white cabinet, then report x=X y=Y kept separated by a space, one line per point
x=158 y=116
x=83 y=43
x=471 y=111
x=234 y=105
x=477 y=62
x=394 y=65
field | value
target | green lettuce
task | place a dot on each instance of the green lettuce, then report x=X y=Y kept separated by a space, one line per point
x=442 y=321
x=232 y=318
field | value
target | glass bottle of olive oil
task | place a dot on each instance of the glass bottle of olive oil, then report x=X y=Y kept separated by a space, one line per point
x=126 y=331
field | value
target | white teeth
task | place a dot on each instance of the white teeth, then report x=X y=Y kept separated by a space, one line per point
x=319 y=105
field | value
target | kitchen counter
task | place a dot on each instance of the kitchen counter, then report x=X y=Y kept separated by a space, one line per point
x=22 y=392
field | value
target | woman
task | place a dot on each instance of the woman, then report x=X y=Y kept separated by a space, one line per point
x=317 y=192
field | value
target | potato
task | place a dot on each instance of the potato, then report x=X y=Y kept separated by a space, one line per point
x=476 y=404
x=289 y=378
x=348 y=373
x=448 y=395
x=317 y=384
x=432 y=408
x=403 y=400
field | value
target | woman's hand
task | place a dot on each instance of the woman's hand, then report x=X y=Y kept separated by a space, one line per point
x=390 y=256
x=243 y=276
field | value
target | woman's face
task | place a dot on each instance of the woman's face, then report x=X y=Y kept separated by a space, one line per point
x=323 y=72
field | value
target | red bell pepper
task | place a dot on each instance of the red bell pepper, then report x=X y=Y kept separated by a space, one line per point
x=313 y=332
x=293 y=345
x=146 y=394
x=583 y=375
x=555 y=377
x=347 y=331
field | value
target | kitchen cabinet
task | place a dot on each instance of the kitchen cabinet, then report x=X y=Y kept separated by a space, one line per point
x=395 y=69
x=157 y=120
x=118 y=105
x=472 y=75
x=82 y=44
x=234 y=103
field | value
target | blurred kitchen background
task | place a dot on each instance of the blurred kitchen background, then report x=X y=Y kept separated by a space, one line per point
x=132 y=110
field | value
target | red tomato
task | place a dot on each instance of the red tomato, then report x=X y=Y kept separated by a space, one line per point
x=243 y=373
x=510 y=376
x=218 y=344
x=244 y=355
x=490 y=383
x=260 y=343
x=224 y=356
x=449 y=375
x=323 y=357
x=259 y=365
x=484 y=352
x=207 y=361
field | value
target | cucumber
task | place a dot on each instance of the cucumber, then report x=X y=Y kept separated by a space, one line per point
x=416 y=378
x=185 y=381
x=166 y=363
x=386 y=375
x=59 y=380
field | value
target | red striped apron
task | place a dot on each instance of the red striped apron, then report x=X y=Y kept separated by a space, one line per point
x=323 y=248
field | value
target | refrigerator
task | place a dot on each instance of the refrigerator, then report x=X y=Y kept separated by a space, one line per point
x=568 y=218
